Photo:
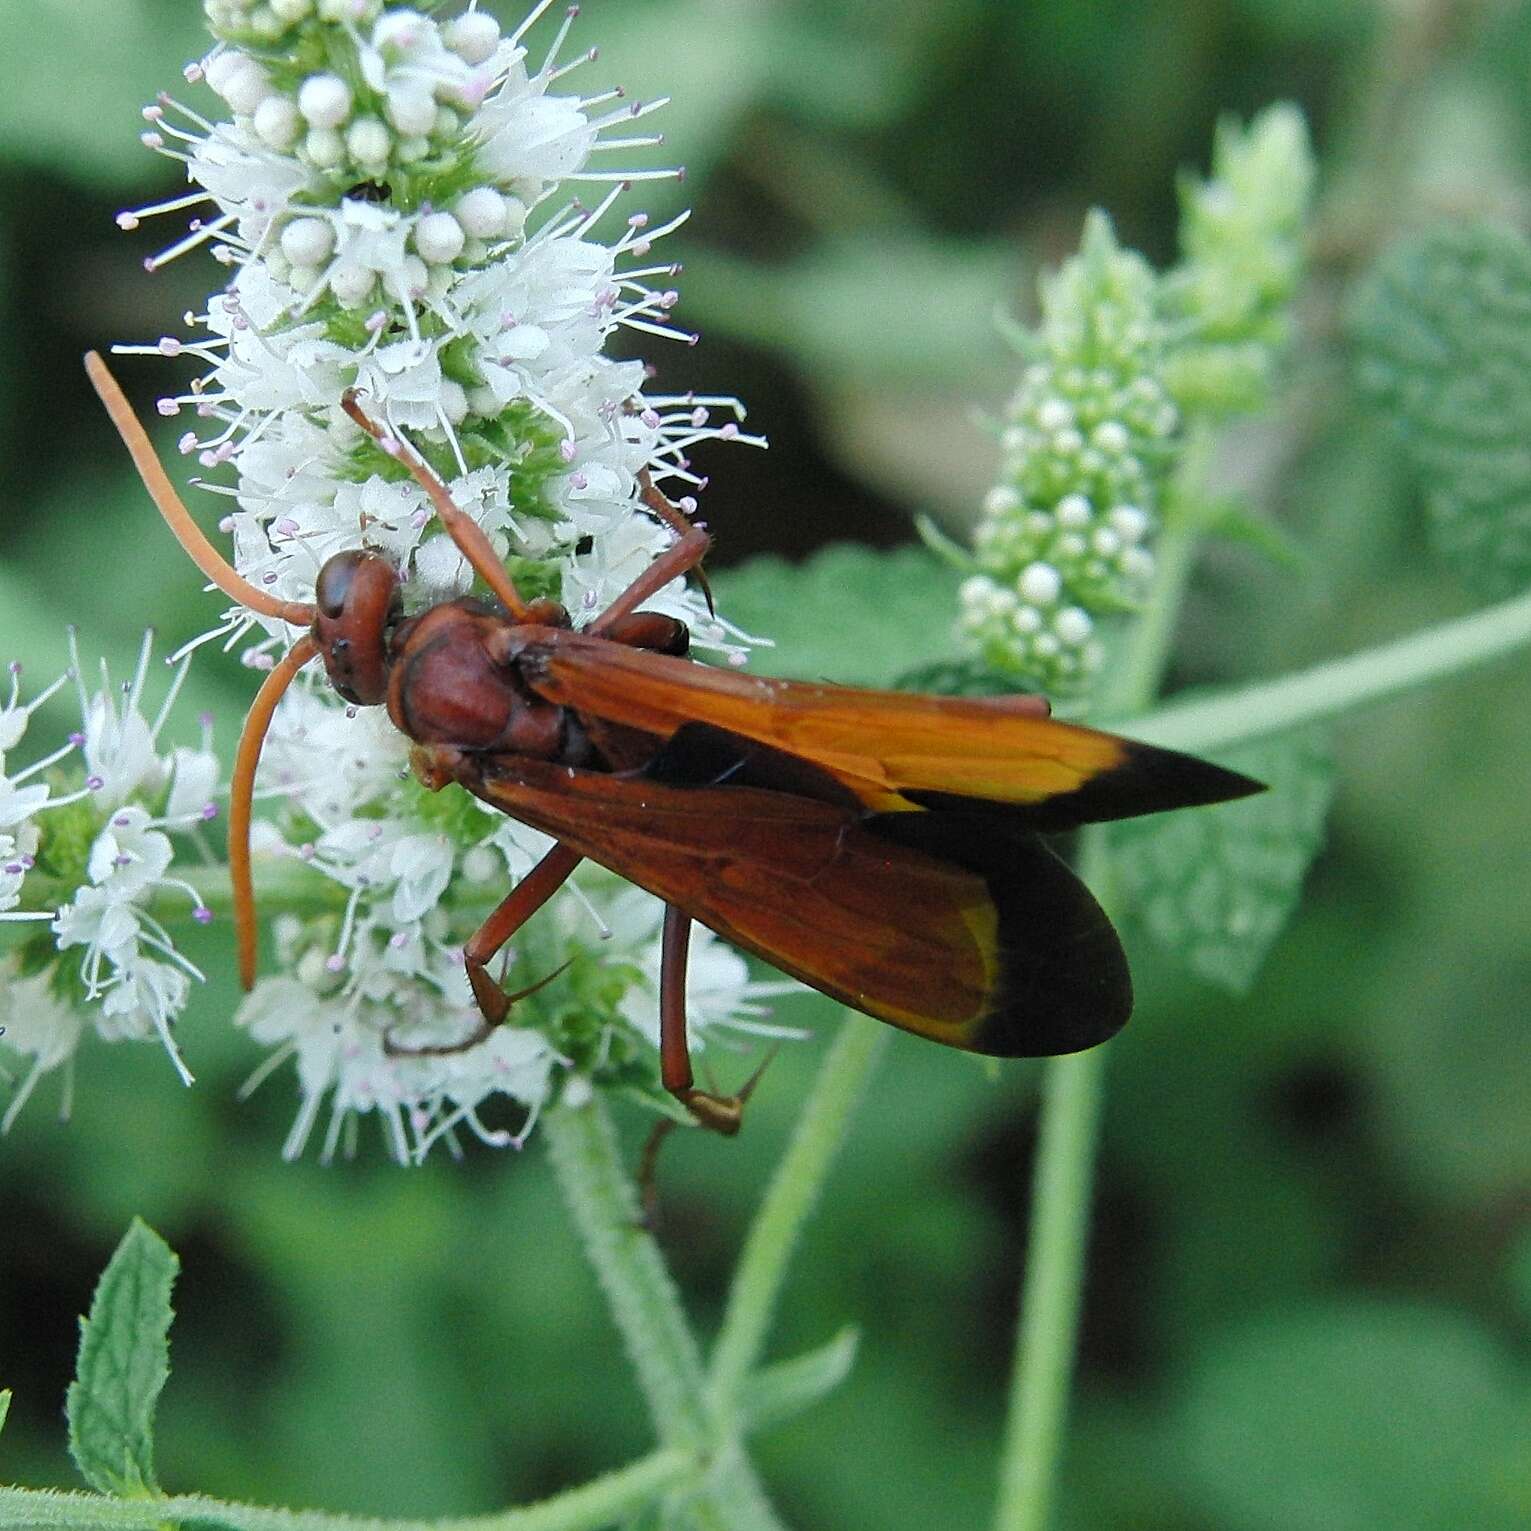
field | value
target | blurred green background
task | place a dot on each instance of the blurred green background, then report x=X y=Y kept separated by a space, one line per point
x=1309 y=1302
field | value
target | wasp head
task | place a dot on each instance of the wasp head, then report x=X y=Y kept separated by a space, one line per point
x=357 y=601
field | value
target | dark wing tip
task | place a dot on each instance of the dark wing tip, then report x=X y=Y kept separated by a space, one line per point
x=1167 y=779
x=1147 y=779
x=1064 y=982
x=1061 y=982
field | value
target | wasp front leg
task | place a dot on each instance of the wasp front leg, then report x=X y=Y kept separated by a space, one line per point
x=523 y=901
x=526 y=898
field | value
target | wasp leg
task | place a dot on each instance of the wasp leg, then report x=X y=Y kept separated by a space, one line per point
x=435 y=765
x=648 y=1169
x=679 y=558
x=525 y=899
x=673 y=517
x=651 y=630
x=719 y=1113
x=480 y=1033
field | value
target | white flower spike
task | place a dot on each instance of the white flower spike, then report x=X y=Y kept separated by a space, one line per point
x=104 y=962
x=428 y=219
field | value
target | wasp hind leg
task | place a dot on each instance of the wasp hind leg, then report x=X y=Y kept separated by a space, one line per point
x=718 y=1113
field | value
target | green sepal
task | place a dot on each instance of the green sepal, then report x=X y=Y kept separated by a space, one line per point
x=947 y=549
x=1233 y=521
x=789 y=1387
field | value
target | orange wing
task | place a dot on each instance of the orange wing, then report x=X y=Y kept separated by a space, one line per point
x=892 y=750
x=951 y=925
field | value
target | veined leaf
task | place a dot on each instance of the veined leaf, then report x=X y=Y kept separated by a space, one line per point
x=1442 y=327
x=124 y=1361
x=848 y=614
x=1215 y=887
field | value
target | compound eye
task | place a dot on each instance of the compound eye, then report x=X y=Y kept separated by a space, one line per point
x=356 y=601
x=333 y=587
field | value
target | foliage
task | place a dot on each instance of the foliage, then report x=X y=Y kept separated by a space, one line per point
x=1443 y=331
x=1217 y=888
x=124 y=1363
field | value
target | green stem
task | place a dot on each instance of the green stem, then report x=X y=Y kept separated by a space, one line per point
x=1134 y=680
x=1071 y=1094
x=587 y=1160
x=586 y=1508
x=1050 y=1297
x=794 y=1189
x=644 y=1302
x=1342 y=684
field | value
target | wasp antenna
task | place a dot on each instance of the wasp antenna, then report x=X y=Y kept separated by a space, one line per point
x=191 y=537
x=460 y=526
x=676 y=519
x=242 y=796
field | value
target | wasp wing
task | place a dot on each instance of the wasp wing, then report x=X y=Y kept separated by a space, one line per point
x=957 y=927
x=891 y=750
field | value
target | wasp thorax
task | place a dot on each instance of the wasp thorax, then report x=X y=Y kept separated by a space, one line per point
x=357 y=596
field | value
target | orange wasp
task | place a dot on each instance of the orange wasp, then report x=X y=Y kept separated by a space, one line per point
x=881 y=847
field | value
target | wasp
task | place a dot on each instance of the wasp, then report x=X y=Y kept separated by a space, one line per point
x=882 y=847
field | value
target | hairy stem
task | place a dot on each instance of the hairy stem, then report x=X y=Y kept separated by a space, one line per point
x=644 y=1302
x=592 y=1505
x=1062 y=1192
x=1326 y=690
x=794 y=1189
x=587 y=1161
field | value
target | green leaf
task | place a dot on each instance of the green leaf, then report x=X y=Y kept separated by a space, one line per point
x=1442 y=327
x=124 y=1361
x=5 y=1406
x=1215 y=886
x=787 y=1388
x=1347 y=1417
x=849 y=614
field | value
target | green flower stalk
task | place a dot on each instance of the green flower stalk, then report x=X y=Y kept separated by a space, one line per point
x=1241 y=231
x=1121 y=363
x=1063 y=541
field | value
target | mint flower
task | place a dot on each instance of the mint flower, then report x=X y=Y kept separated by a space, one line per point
x=1064 y=537
x=1242 y=233
x=412 y=206
x=23 y=796
x=103 y=961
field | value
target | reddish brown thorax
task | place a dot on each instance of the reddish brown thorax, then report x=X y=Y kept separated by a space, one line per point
x=446 y=688
x=435 y=671
x=451 y=675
